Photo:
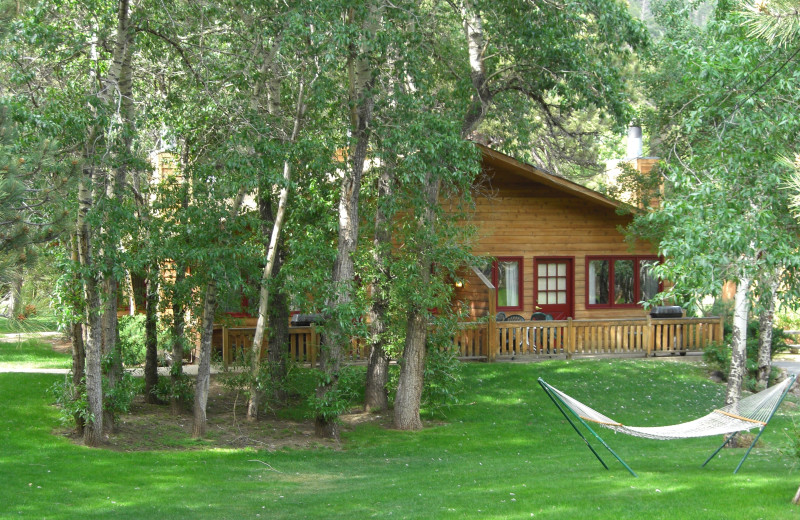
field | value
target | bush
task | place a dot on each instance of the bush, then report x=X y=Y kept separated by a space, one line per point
x=183 y=389
x=131 y=339
x=718 y=356
x=71 y=400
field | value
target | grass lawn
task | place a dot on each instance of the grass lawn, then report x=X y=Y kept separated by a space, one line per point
x=32 y=353
x=503 y=452
x=31 y=324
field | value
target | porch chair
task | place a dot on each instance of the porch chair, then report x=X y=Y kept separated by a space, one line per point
x=515 y=317
x=540 y=316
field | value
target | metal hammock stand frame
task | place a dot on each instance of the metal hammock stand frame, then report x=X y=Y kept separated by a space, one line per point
x=552 y=393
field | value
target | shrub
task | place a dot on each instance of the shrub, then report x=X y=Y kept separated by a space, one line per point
x=183 y=389
x=718 y=355
x=131 y=339
x=71 y=400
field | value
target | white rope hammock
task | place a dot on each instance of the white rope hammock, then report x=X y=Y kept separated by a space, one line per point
x=751 y=412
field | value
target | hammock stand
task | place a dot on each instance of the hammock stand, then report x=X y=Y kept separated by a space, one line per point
x=731 y=419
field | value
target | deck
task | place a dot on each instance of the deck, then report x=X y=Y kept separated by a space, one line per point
x=489 y=340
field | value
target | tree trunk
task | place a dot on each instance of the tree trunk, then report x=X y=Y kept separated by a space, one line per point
x=178 y=330
x=409 y=386
x=151 y=336
x=739 y=343
x=765 y=322
x=110 y=342
x=481 y=98
x=362 y=74
x=76 y=335
x=179 y=301
x=278 y=340
x=412 y=371
x=93 y=430
x=92 y=280
x=204 y=364
x=15 y=305
x=78 y=361
x=376 y=395
x=111 y=345
x=263 y=299
x=277 y=225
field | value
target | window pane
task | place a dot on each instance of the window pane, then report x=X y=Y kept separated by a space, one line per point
x=562 y=284
x=562 y=269
x=623 y=281
x=508 y=284
x=562 y=298
x=551 y=269
x=542 y=270
x=648 y=283
x=598 y=282
x=551 y=298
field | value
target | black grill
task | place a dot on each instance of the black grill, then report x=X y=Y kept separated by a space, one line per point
x=304 y=320
x=667 y=311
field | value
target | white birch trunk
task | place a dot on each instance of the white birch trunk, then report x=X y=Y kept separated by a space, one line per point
x=765 y=323
x=738 y=368
x=272 y=249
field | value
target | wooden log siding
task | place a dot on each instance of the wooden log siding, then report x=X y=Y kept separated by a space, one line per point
x=644 y=336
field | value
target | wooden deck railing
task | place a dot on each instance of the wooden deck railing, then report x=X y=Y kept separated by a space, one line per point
x=643 y=336
x=303 y=345
x=490 y=339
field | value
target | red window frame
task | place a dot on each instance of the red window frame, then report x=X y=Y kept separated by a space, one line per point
x=520 y=282
x=611 y=259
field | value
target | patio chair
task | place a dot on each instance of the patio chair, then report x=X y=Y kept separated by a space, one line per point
x=501 y=316
x=515 y=343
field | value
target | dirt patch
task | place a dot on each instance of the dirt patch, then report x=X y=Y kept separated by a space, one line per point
x=153 y=427
x=61 y=344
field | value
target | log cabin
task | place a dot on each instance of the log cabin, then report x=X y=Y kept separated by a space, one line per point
x=550 y=246
x=553 y=246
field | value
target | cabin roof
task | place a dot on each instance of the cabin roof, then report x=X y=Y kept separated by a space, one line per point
x=501 y=161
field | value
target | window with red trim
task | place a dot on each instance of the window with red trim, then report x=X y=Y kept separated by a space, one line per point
x=506 y=275
x=620 y=281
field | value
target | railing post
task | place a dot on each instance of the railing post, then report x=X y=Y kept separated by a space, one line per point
x=226 y=346
x=313 y=346
x=570 y=347
x=721 y=330
x=492 y=326
x=648 y=336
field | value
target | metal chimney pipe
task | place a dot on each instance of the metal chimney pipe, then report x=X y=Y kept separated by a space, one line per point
x=634 y=142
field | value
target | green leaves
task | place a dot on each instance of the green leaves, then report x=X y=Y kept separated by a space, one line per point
x=724 y=212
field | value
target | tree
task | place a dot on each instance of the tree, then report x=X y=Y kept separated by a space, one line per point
x=723 y=216
x=520 y=55
x=363 y=59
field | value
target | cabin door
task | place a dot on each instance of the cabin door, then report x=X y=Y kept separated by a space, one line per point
x=553 y=289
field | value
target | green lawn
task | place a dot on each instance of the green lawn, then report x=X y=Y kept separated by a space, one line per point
x=30 y=324
x=32 y=353
x=503 y=452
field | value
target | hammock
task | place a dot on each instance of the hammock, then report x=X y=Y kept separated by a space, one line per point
x=751 y=412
